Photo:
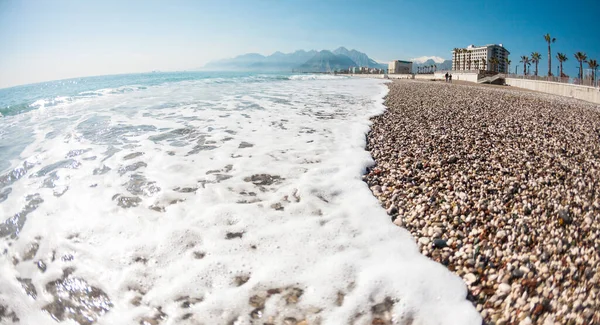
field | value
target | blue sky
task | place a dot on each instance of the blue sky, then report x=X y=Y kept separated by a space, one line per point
x=46 y=40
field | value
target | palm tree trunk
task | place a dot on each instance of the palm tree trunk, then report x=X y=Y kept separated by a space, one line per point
x=581 y=72
x=561 y=74
x=549 y=61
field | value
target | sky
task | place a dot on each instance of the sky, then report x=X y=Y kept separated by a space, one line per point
x=44 y=40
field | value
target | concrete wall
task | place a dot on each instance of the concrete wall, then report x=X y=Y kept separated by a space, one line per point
x=400 y=76
x=425 y=76
x=465 y=76
x=586 y=93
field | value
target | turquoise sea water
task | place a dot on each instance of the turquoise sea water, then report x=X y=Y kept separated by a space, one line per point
x=20 y=99
x=17 y=133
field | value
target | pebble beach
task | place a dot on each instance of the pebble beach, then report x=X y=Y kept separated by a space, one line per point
x=501 y=187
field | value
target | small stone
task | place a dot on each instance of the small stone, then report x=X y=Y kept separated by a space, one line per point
x=503 y=290
x=41 y=265
x=439 y=243
x=398 y=222
x=470 y=278
x=290 y=321
x=392 y=210
x=517 y=273
x=564 y=218
x=501 y=234
x=424 y=240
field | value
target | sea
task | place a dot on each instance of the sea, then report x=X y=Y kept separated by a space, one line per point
x=204 y=198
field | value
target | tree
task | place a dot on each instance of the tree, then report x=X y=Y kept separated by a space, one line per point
x=580 y=57
x=507 y=65
x=535 y=58
x=496 y=62
x=525 y=61
x=549 y=40
x=593 y=64
x=456 y=58
x=483 y=63
x=561 y=58
x=465 y=51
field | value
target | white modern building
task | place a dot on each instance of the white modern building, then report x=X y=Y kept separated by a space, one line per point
x=478 y=58
x=399 y=66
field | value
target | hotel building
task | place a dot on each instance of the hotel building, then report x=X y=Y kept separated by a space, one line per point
x=471 y=57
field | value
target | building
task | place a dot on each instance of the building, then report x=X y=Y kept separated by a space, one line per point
x=399 y=66
x=472 y=58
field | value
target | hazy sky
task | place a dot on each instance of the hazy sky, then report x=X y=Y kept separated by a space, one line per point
x=57 y=39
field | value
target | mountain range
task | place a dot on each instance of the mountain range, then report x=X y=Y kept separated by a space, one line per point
x=313 y=61
x=300 y=61
x=445 y=65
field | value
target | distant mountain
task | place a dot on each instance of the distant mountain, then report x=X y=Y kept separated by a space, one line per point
x=361 y=59
x=309 y=61
x=327 y=61
x=282 y=62
x=277 y=61
x=240 y=62
x=446 y=65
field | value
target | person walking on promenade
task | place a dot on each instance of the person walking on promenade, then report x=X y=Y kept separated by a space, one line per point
x=446 y=76
x=450 y=78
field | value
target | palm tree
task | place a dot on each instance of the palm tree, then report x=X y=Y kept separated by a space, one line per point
x=549 y=40
x=456 y=58
x=465 y=51
x=535 y=58
x=483 y=63
x=593 y=64
x=497 y=64
x=507 y=65
x=525 y=60
x=580 y=57
x=561 y=58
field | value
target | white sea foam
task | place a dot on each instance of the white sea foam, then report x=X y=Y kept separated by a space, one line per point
x=214 y=203
x=316 y=77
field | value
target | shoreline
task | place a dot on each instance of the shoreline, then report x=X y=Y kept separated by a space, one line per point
x=498 y=186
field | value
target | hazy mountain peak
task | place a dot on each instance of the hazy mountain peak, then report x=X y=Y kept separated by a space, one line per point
x=341 y=50
x=423 y=59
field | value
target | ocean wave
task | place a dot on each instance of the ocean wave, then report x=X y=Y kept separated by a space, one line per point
x=61 y=92
x=43 y=103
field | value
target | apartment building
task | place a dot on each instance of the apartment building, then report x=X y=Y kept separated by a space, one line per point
x=471 y=58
